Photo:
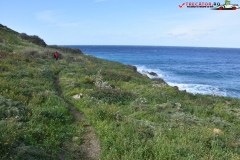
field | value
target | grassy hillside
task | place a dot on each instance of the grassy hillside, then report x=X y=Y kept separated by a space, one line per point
x=134 y=117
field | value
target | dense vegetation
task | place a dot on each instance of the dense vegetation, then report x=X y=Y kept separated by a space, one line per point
x=134 y=117
x=34 y=39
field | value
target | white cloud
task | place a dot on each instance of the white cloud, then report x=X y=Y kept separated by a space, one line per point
x=210 y=24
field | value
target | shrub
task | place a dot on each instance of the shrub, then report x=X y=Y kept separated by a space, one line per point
x=34 y=39
x=66 y=49
x=113 y=96
x=5 y=48
x=2 y=40
x=11 y=109
x=39 y=53
x=87 y=80
x=116 y=76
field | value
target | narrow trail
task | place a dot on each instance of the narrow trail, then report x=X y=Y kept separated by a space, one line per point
x=90 y=143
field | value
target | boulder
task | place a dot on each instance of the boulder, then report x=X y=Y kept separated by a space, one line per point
x=133 y=68
x=159 y=80
x=159 y=107
x=175 y=87
x=217 y=131
x=152 y=73
x=78 y=96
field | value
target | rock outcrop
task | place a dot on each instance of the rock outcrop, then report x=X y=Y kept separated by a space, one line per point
x=133 y=68
x=152 y=73
x=34 y=39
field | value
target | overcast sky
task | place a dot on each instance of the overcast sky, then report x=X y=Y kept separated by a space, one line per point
x=122 y=22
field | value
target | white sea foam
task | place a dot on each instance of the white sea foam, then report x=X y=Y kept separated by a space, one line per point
x=199 y=88
x=145 y=70
x=191 y=88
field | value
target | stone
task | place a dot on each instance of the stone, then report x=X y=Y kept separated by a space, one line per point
x=152 y=73
x=159 y=107
x=217 y=131
x=78 y=96
x=175 y=87
x=133 y=68
x=178 y=104
x=159 y=80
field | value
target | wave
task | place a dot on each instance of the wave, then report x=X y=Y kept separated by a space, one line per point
x=144 y=70
x=199 y=89
x=191 y=88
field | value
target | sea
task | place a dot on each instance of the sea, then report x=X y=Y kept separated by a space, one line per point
x=202 y=70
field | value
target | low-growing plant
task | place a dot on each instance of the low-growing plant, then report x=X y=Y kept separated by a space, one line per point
x=115 y=76
x=113 y=96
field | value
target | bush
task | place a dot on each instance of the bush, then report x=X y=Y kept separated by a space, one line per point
x=2 y=40
x=5 y=48
x=11 y=109
x=66 y=49
x=34 y=39
x=116 y=76
x=113 y=96
x=39 y=53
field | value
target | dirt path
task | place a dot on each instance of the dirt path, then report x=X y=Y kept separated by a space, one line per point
x=90 y=143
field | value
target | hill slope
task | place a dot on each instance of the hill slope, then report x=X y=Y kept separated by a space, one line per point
x=133 y=116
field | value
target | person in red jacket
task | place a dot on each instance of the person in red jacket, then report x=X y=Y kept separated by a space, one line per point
x=56 y=55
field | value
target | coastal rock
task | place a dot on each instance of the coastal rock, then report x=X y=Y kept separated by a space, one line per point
x=152 y=73
x=133 y=68
x=34 y=39
x=175 y=87
x=159 y=80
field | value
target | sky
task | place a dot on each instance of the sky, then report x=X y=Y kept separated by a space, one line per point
x=123 y=22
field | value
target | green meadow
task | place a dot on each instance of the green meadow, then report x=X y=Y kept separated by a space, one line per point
x=133 y=117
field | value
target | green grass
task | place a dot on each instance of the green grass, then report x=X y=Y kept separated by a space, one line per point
x=140 y=129
x=44 y=121
x=134 y=117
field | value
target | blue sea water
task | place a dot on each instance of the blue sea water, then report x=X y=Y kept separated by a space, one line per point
x=194 y=69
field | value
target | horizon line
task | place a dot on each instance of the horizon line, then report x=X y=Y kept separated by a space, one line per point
x=148 y=46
